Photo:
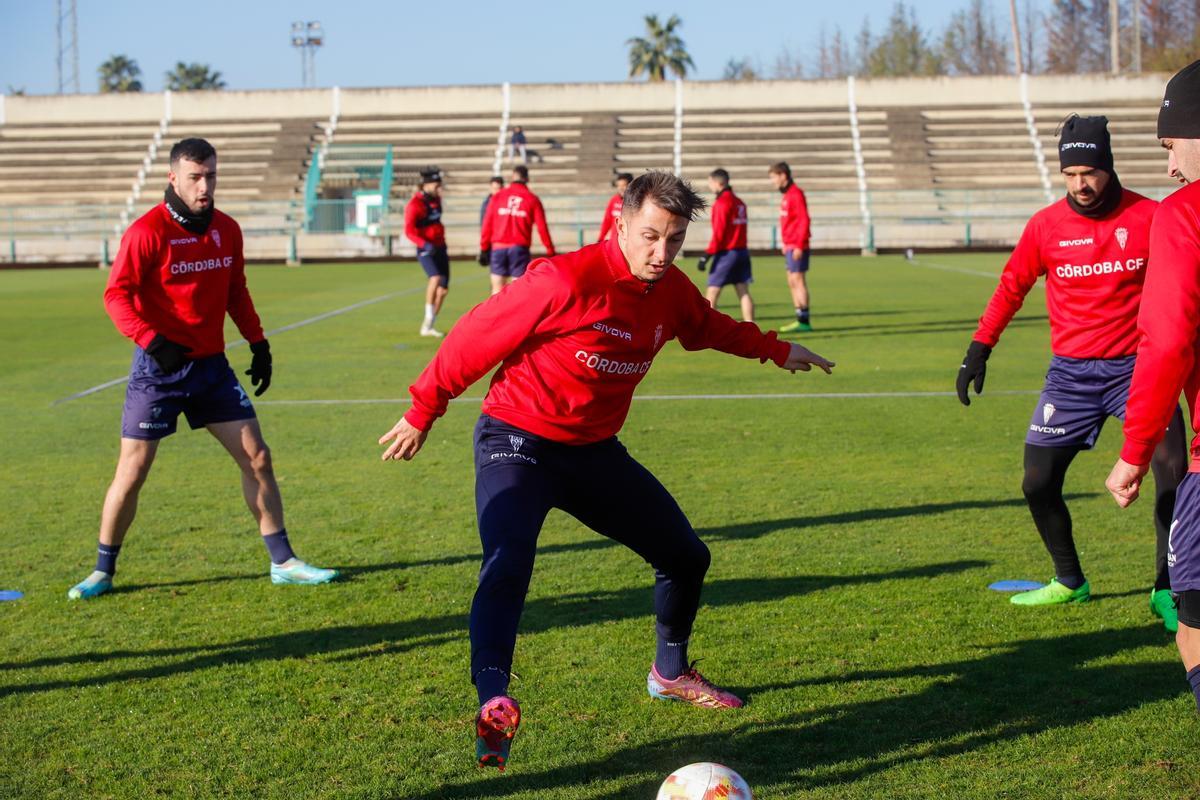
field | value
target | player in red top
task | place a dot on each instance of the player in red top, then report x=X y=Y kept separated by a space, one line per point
x=507 y=231
x=727 y=247
x=612 y=211
x=795 y=228
x=1092 y=248
x=572 y=340
x=423 y=227
x=177 y=273
x=1167 y=362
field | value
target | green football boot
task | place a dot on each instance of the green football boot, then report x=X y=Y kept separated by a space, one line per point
x=93 y=585
x=1053 y=594
x=1162 y=605
x=796 y=327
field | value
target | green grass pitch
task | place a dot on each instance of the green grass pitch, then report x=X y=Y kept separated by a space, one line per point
x=853 y=541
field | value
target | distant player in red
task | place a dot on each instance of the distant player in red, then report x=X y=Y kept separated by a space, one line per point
x=178 y=272
x=423 y=227
x=1167 y=363
x=727 y=247
x=1092 y=247
x=572 y=341
x=795 y=228
x=612 y=212
x=507 y=232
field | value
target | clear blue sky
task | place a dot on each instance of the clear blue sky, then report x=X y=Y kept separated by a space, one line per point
x=404 y=43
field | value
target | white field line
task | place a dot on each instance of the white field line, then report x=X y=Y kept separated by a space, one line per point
x=291 y=327
x=916 y=262
x=649 y=397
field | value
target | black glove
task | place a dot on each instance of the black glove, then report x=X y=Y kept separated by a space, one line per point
x=260 y=366
x=974 y=368
x=170 y=356
x=485 y=258
x=702 y=264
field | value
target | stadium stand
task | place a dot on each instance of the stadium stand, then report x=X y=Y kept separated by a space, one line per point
x=885 y=163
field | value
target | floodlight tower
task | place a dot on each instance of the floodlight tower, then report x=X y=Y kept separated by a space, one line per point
x=307 y=37
x=68 y=46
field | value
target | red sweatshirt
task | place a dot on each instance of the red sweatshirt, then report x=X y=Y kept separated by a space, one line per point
x=573 y=338
x=1094 y=271
x=1169 y=324
x=510 y=218
x=608 y=225
x=794 y=225
x=728 y=223
x=169 y=281
x=423 y=221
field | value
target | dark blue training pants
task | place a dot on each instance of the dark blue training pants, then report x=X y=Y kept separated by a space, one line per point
x=519 y=477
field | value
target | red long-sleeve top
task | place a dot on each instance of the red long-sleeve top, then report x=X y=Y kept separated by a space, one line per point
x=1169 y=325
x=728 y=223
x=1094 y=271
x=423 y=221
x=510 y=218
x=608 y=225
x=573 y=339
x=170 y=281
x=795 y=227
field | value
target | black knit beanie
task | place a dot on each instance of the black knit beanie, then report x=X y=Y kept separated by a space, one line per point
x=1084 y=142
x=1179 y=117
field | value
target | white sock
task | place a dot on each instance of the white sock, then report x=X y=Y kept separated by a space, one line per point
x=430 y=316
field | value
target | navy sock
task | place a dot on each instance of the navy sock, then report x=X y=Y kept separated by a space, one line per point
x=278 y=546
x=106 y=558
x=802 y=314
x=671 y=658
x=1070 y=581
x=1193 y=677
x=490 y=682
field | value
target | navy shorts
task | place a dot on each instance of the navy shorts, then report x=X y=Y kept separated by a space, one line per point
x=436 y=263
x=730 y=266
x=510 y=262
x=1079 y=395
x=205 y=391
x=1183 y=544
x=796 y=264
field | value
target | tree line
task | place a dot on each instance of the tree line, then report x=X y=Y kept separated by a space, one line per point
x=120 y=73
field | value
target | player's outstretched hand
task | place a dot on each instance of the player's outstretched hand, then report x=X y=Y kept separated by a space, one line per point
x=1125 y=481
x=974 y=368
x=803 y=359
x=406 y=441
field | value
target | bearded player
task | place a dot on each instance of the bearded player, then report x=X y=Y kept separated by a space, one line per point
x=1092 y=247
x=573 y=339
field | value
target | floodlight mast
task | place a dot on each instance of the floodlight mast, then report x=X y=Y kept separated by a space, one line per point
x=307 y=37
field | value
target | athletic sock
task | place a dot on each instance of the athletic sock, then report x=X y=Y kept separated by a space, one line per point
x=490 y=682
x=106 y=558
x=799 y=314
x=1193 y=677
x=671 y=658
x=1071 y=581
x=803 y=314
x=278 y=546
x=430 y=316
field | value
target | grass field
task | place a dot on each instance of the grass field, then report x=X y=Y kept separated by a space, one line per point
x=853 y=542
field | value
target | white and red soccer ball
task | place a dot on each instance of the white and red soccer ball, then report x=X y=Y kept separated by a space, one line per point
x=704 y=781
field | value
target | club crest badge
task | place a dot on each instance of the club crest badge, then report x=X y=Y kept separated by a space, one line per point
x=216 y=237
x=657 y=336
x=1122 y=235
x=1047 y=412
x=516 y=442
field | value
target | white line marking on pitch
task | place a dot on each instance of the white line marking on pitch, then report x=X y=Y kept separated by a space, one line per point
x=788 y=396
x=293 y=326
x=916 y=262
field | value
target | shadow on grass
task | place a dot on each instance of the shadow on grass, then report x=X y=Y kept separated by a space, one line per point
x=910 y=328
x=1026 y=688
x=352 y=642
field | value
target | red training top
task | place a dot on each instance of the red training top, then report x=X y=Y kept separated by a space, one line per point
x=728 y=223
x=608 y=225
x=795 y=227
x=1169 y=324
x=510 y=218
x=573 y=338
x=170 y=281
x=1094 y=271
x=423 y=220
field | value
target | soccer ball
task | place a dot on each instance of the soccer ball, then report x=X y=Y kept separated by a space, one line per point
x=704 y=781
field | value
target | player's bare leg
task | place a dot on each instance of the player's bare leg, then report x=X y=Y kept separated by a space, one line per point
x=243 y=440
x=747 y=302
x=435 y=296
x=712 y=294
x=798 y=286
x=498 y=283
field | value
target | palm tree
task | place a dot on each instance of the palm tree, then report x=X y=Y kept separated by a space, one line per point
x=660 y=51
x=193 y=77
x=119 y=74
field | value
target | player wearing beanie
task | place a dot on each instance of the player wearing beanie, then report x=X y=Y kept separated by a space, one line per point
x=1091 y=246
x=423 y=227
